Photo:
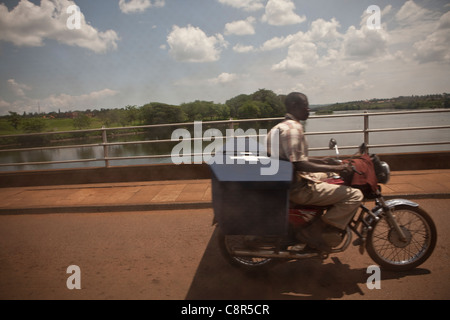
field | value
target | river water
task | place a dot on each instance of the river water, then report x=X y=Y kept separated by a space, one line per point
x=315 y=124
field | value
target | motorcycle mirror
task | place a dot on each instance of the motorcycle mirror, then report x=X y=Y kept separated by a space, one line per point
x=362 y=148
x=332 y=143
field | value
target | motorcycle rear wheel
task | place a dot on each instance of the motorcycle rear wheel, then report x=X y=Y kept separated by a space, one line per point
x=385 y=247
x=229 y=243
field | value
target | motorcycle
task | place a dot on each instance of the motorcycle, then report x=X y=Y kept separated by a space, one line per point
x=397 y=234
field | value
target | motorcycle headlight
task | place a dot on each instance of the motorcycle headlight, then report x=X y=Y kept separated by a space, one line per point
x=384 y=173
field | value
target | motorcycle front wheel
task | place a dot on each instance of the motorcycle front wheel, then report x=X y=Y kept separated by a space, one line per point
x=386 y=248
x=229 y=243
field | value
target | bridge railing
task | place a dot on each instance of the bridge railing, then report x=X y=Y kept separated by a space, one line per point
x=105 y=144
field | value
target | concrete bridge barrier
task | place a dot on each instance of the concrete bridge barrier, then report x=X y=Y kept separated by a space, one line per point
x=161 y=172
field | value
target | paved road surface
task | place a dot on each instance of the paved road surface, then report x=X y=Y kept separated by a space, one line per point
x=169 y=255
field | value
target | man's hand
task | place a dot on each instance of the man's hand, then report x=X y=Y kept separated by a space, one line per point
x=346 y=173
x=343 y=168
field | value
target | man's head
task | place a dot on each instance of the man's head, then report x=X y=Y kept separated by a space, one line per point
x=297 y=104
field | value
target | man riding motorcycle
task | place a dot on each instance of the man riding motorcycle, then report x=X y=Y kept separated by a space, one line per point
x=307 y=188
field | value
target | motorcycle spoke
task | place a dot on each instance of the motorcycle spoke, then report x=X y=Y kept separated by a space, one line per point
x=391 y=248
x=238 y=243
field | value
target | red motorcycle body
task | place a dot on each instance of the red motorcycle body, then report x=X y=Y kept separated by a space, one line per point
x=300 y=216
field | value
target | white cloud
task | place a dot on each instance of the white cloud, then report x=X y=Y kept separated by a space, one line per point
x=436 y=46
x=355 y=69
x=361 y=63
x=29 y=25
x=224 y=78
x=319 y=46
x=133 y=6
x=301 y=57
x=386 y=10
x=239 y=48
x=323 y=44
x=85 y=101
x=191 y=44
x=17 y=88
x=422 y=35
x=410 y=13
x=358 y=85
x=247 y=5
x=364 y=43
x=324 y=31
x=241 y=27
x=279 y=42
x=5 y=107
x=444 y=21
x=413 y=24
x=63 y=101
x=281 y=13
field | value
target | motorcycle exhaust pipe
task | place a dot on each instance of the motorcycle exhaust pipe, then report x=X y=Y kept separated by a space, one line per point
x=283 y=254
x=274 y=254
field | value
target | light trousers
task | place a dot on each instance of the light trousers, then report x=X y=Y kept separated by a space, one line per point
x=343 y=199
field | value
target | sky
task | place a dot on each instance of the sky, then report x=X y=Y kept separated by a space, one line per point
x=62 y=55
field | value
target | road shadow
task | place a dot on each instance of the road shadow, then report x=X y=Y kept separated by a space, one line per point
x=216 y=279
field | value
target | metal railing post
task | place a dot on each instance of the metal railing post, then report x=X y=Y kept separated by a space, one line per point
x=105 y=146
x=231 y=124
x=366 y=129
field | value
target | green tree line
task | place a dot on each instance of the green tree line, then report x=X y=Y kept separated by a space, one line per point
x=260 y=104
x=399 y=103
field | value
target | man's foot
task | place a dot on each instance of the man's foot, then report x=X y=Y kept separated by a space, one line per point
x=319 y=236
x=332 y=236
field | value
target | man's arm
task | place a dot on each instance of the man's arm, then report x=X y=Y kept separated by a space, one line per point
x=327 y=160
x=309 y=166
